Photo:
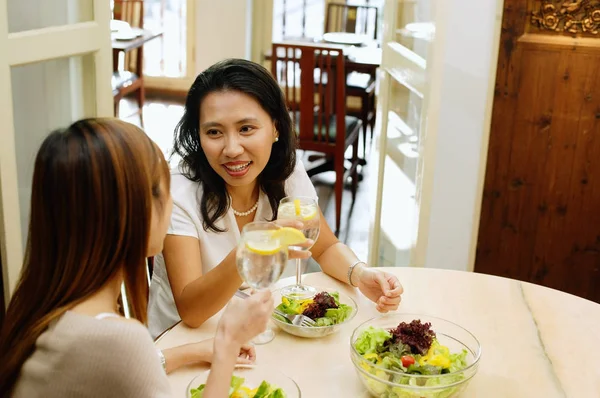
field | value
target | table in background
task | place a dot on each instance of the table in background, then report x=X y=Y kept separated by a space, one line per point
x=128 y=45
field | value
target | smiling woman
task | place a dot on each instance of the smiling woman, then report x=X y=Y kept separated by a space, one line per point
x=238 y=151
x=237 y=137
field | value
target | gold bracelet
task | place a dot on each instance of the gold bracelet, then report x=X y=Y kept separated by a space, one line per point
x=351 y=269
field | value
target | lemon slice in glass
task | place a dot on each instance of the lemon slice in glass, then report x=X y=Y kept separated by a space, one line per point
x=308 y=212
x=305 y=212
x=288 y=236
x=264 y=248
x=282 y=237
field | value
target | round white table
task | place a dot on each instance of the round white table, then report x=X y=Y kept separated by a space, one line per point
x=536 y=342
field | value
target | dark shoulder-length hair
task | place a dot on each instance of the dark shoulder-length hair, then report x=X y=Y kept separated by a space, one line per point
x=94 y=185
x=254 y=80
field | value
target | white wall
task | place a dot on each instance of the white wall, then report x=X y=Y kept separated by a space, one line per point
x=469 y=65
x=223 y=30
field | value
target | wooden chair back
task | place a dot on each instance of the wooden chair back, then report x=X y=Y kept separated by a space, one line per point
x=318 y=107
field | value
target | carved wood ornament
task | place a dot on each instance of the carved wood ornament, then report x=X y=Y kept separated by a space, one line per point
x=568 y=16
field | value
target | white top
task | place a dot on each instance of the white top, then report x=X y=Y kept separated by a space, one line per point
x=186 y=220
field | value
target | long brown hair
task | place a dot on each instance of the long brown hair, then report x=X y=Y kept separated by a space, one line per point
x=94 y=185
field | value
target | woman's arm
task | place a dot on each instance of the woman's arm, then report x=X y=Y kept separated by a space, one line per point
x=203 y=351
x=219 y=378
x=242 y=320
x=198 y=296
x=335 y=258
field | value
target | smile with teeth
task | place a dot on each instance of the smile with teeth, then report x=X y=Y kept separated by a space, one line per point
x=237 y=167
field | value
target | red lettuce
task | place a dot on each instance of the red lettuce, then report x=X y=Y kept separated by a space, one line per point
x=418 y=336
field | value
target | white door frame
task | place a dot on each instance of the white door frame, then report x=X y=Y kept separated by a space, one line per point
x=422 y=78
x=34 y=46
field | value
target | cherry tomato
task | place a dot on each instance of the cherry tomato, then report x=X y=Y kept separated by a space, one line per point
x=407 y=360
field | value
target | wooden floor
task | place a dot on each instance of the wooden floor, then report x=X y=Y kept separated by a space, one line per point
x=160 y=119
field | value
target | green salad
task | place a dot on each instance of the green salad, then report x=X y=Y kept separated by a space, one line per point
x=410 y=349
x=238 y=390
x=324 y=308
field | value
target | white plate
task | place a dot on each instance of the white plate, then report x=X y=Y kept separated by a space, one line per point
x=124 y=36
x=116 y=25
x=345 y=38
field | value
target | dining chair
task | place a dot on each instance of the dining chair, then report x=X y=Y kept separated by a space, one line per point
x=362 y=20
x=131 y=78
x=318 y=109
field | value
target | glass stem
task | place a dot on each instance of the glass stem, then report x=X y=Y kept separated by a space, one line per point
x=299 y=271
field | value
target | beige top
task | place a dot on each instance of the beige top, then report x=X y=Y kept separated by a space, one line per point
x=82 y=356
x=536 y=342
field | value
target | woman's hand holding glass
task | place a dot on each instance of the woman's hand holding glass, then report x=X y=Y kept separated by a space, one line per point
x=261 y=257
x=243 y=319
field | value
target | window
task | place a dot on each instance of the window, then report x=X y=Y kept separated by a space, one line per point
x=291 y=19
x=166 y=57
x=305 y=19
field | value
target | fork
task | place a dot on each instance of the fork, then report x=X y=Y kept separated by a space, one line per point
x=296 y=320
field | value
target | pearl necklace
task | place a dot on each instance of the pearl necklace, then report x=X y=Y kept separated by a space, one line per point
x=245 y=213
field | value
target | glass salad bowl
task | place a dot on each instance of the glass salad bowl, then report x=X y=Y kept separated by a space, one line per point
x=331 y=322
x=459 y=349
x=247 y=380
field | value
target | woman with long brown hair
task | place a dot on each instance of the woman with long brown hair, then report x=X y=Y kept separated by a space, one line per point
x=100 y=205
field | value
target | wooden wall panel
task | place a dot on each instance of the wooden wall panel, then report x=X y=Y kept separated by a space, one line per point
x=540 y=218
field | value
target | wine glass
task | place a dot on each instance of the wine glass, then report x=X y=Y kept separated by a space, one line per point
x=261 y=258
x=306 y=210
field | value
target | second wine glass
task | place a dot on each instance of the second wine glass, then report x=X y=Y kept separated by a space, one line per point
x=305 y=210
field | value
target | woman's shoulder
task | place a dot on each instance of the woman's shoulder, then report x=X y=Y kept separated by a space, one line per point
x=112 y=333
x=182 y=187
x=107 y=357
x=299 y=183
x=299 y=171
x=104 y=343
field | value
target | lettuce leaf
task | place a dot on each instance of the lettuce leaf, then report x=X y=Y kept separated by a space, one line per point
x=197 y=392
x=290 y=306
x=263 y=390
x=371 y=340
x=278 y=393
x=334 y=316
x=236 y=383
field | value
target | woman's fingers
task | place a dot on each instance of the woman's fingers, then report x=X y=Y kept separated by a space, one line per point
x=247 y=354
x=290 y=223
x=301 y=254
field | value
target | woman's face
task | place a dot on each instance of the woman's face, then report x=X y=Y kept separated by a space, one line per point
x=161 y=217
x=236 y=135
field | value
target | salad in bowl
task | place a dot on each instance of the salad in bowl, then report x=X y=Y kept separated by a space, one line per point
x=329 y=309
x=408 y=356
x=250 y=381
x=237 y=389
